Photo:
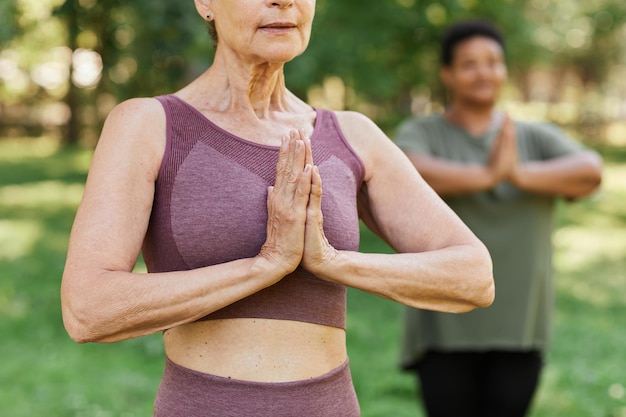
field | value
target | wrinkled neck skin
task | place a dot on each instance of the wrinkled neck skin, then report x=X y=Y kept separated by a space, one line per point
x=235 y=85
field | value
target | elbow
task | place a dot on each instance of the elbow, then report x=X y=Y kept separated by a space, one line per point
x=75 y=313
x=586 y=187
x=83 y=311
x=482 y=297
x=77 y=325
x=486 y=293
x=77 y=331
x=79 y=320
x=593 y=179
x=482 y=291
x=486 y=287
x=594 y=171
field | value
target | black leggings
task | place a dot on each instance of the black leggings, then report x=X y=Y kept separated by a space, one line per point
x=478 y=384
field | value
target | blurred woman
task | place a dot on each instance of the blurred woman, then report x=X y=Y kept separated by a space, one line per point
x=502 y=179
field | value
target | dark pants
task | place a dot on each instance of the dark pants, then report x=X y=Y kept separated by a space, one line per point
x=478 y=384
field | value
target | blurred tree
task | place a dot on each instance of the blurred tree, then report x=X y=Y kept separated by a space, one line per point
x=586 y=37
x=8 y=20
x=387 y=51
x=377 y=56
x=141 y=45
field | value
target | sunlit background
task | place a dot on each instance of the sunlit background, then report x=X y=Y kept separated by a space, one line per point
x=64 y=64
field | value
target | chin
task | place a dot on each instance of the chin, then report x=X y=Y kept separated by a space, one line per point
x=278 y=54
x=481 y=101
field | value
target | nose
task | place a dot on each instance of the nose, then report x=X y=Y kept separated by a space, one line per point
x=283 y=4
x=486 y=71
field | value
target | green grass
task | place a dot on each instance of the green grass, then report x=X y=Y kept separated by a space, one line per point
x=43 y=373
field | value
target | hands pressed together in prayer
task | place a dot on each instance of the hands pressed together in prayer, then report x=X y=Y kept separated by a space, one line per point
x=295 y=233
x=503 y=160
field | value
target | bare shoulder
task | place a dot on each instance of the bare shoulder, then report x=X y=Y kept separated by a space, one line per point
x=368 y=140
x=137 y=115
x=354 y=124
x=135 y=130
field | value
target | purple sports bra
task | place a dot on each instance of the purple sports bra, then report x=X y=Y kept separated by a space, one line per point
x=210 y=207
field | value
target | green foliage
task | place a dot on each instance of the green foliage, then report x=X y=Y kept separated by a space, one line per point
x=142 y=44
x=583 y=36
x=8 y=18
x=384 y=52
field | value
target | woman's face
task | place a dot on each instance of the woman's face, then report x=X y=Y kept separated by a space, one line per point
x=477 y=71
x=261 y=30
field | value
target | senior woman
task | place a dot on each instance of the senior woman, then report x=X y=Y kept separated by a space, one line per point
x=248 y=259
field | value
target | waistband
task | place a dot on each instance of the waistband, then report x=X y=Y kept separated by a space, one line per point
x=188 y=393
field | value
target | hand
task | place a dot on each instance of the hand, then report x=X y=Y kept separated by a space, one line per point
x=503 y=159
x=287 y=204
x=318 y=252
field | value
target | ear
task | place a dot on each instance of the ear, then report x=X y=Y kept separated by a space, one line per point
x=204 y=8
x=446 y=76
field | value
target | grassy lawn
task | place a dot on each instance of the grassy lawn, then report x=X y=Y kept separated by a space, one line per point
x=45 y=374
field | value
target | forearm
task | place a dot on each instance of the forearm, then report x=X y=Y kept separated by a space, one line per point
x=571 y=177
x=453 y=279
x=450 y=178
x=108 y=306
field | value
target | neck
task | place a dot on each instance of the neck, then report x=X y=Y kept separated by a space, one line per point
x=476 y=119
x=237 y=86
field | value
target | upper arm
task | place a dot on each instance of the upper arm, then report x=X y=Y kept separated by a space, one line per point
x=408 y=214
x=113 y=215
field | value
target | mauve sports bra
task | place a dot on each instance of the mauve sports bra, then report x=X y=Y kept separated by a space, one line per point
x=210 y=207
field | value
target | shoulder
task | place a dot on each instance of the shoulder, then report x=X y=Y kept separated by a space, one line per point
x=421 y=124
x=539 y=129
x=137 y=119
x=434 y=119
x=137 y=113
x=548 y=139
x=353 y=120
x=359 y=130
x=421 y=134
x=134 y=130
x=371 y=144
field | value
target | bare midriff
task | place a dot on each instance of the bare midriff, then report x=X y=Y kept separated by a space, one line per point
x=260 y=350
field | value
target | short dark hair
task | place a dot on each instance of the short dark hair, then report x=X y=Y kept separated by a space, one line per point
x=464 y=30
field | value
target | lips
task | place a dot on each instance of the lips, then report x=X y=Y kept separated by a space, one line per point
x=279 y=25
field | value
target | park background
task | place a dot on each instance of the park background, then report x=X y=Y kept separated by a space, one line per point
x=65 y=64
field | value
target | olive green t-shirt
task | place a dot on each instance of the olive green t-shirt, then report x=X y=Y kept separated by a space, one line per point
x=515 y=226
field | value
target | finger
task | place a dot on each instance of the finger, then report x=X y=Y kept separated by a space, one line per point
x=508 y=128
x=287 y=177
x=308 y=147
x=291 y=153
x=299 y=155
x=304 y=184
x=281 y=165
x=315 y=198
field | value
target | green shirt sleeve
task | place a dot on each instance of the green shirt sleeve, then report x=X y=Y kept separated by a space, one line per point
x=551 y=141
x=411 y=137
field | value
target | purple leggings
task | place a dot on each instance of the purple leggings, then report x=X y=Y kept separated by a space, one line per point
x=187 y=393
